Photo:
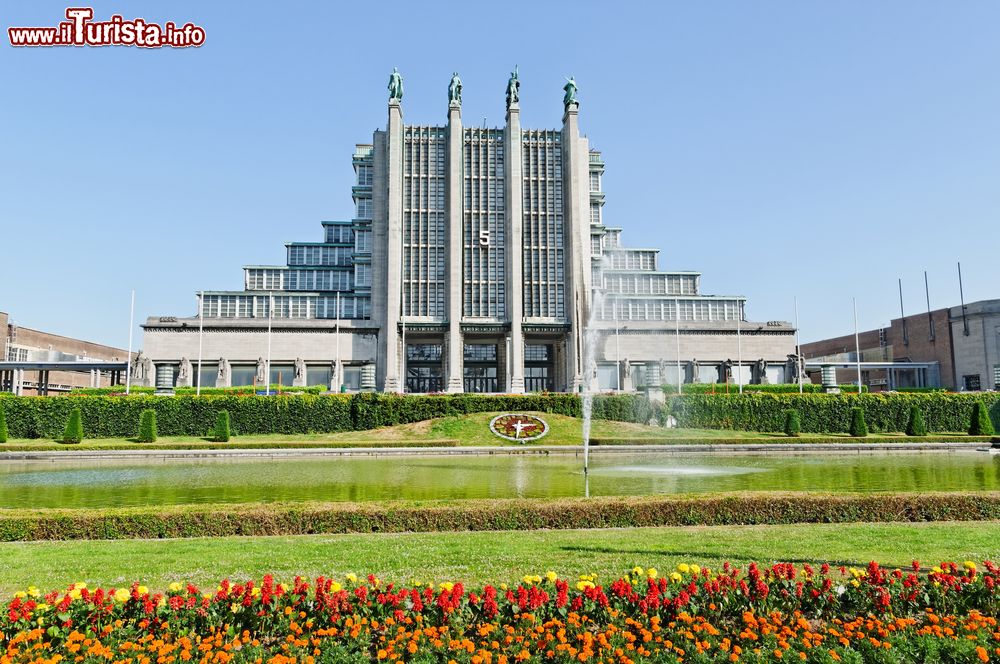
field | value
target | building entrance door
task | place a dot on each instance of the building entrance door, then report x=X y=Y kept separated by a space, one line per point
x=538 y=370
x=424 y=372
x=480 y=368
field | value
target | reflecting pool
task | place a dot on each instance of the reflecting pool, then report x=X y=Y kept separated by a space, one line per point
x=106 y=483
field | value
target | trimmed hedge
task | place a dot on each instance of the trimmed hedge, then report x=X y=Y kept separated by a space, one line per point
x=480 y=515
x=793 y=423
x=828 y=413
x=858 y=428
x=222 y=431
x=3 y=424
x=980 y=424
x=115 y=417
x=915 y=426
x=73 y=433
x=147 y=426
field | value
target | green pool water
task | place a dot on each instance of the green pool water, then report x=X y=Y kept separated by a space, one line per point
x=158 y=482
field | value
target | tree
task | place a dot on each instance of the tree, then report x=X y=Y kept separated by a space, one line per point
x=859 y=429
x=147 y=426
x=74 y=427
x=793 y=423
x=915 y=425
x=222 y=433
x=980 y=424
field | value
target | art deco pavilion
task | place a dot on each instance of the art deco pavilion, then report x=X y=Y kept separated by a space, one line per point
x=477 y=260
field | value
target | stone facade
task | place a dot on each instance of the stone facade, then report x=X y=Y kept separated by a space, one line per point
x=478 y=260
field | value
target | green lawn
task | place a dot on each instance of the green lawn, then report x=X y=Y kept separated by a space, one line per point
x=470 y=429
x=480 y=557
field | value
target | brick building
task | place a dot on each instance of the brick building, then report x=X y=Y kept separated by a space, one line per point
x=962 y=347
x=24 y=344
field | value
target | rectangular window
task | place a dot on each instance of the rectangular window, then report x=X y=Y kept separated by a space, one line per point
x=364 y=175
x=971 y=383
x=364 y=208
x=363 y=242
x=363 y=275
x=595 y=181
x=595 y=213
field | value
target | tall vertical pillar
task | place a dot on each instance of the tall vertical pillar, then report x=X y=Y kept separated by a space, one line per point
x=515 y=246
x=454 y=218
x=576 y=155
x=394 y=381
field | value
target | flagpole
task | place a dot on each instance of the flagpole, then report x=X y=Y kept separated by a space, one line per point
x=677 y=336
x=267 y=371
x=857 y=342
x=201 y=328
x=128 y=366
x=336 y=362
x=739 y=346
x=799 y=364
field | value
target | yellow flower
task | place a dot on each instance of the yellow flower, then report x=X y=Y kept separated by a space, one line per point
x=175 y=587
x=41 y=607
x=969 y=565
x=446 y=586
x=234 y=607
x=352 y=578
x=80 y=585
x=20 y=593
x=674 y=576
x=936 y=569
x=683 y=568
x=551 y=576
x=143 y=590
x=122 y=595
x=638 y=570
x=334 y=587
x=651 y=572
x=503 y=586
x=695 y=570
x=33 y=591
x=282 y=587
x=75 y=593
x=527 y=578
x=855 y=583
x=161 y=601
x=207 y=596
x=255 y=592
x=584 y=585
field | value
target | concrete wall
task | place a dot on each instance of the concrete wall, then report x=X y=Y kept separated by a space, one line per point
x=978 y=353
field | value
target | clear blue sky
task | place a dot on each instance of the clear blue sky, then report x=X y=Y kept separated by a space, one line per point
x=810 y=149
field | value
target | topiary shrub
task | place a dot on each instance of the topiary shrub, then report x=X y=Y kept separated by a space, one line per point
x=3 y=425
x=859 y=428
x=74 y=427
x=147 y=426
x=793 y=422
x=915 y=425
x=981 y=424
x=221 y=433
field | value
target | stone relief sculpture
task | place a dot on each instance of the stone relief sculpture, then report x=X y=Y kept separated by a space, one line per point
x=261 y=370
x=395 y=85
x=222 y=369
x=695 y=372
x=663 y=370
x=513 y=88
x=139 y=366
x=761 y=372
x=300 y=367
x=184 y=373
x=455 y=90
x=570 y=97
x=626 y=383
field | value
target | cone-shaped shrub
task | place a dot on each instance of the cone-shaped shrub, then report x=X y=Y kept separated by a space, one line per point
x=859 y=429
x=3 y=425
x=793 y=423
x=147 y=426
x=915 y=425
x=74 y=427
x=981 y=424
x=222 y=427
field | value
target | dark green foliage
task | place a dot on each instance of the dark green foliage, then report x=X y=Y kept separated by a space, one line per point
x=73 y=432
x=858 y=428
x=3 y=425
x=827 y=413
x=221 y=433
x=155 y=522
x=793 y=423
x=119 y=390
x=115 y=417
x=980 y=424
x=147 y=426
x=916 y=426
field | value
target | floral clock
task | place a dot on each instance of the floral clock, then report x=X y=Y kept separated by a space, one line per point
x=518 y=427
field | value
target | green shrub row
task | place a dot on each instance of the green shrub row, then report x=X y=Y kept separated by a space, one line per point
x=824 y=413
x=514 y=514
x=114 y=417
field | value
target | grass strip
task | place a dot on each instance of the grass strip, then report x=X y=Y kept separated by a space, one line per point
x=487 y=515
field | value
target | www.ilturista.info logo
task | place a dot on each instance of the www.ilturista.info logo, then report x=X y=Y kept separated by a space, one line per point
x=81 y=30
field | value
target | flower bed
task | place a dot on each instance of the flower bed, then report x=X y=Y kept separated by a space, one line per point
x=778 y=613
